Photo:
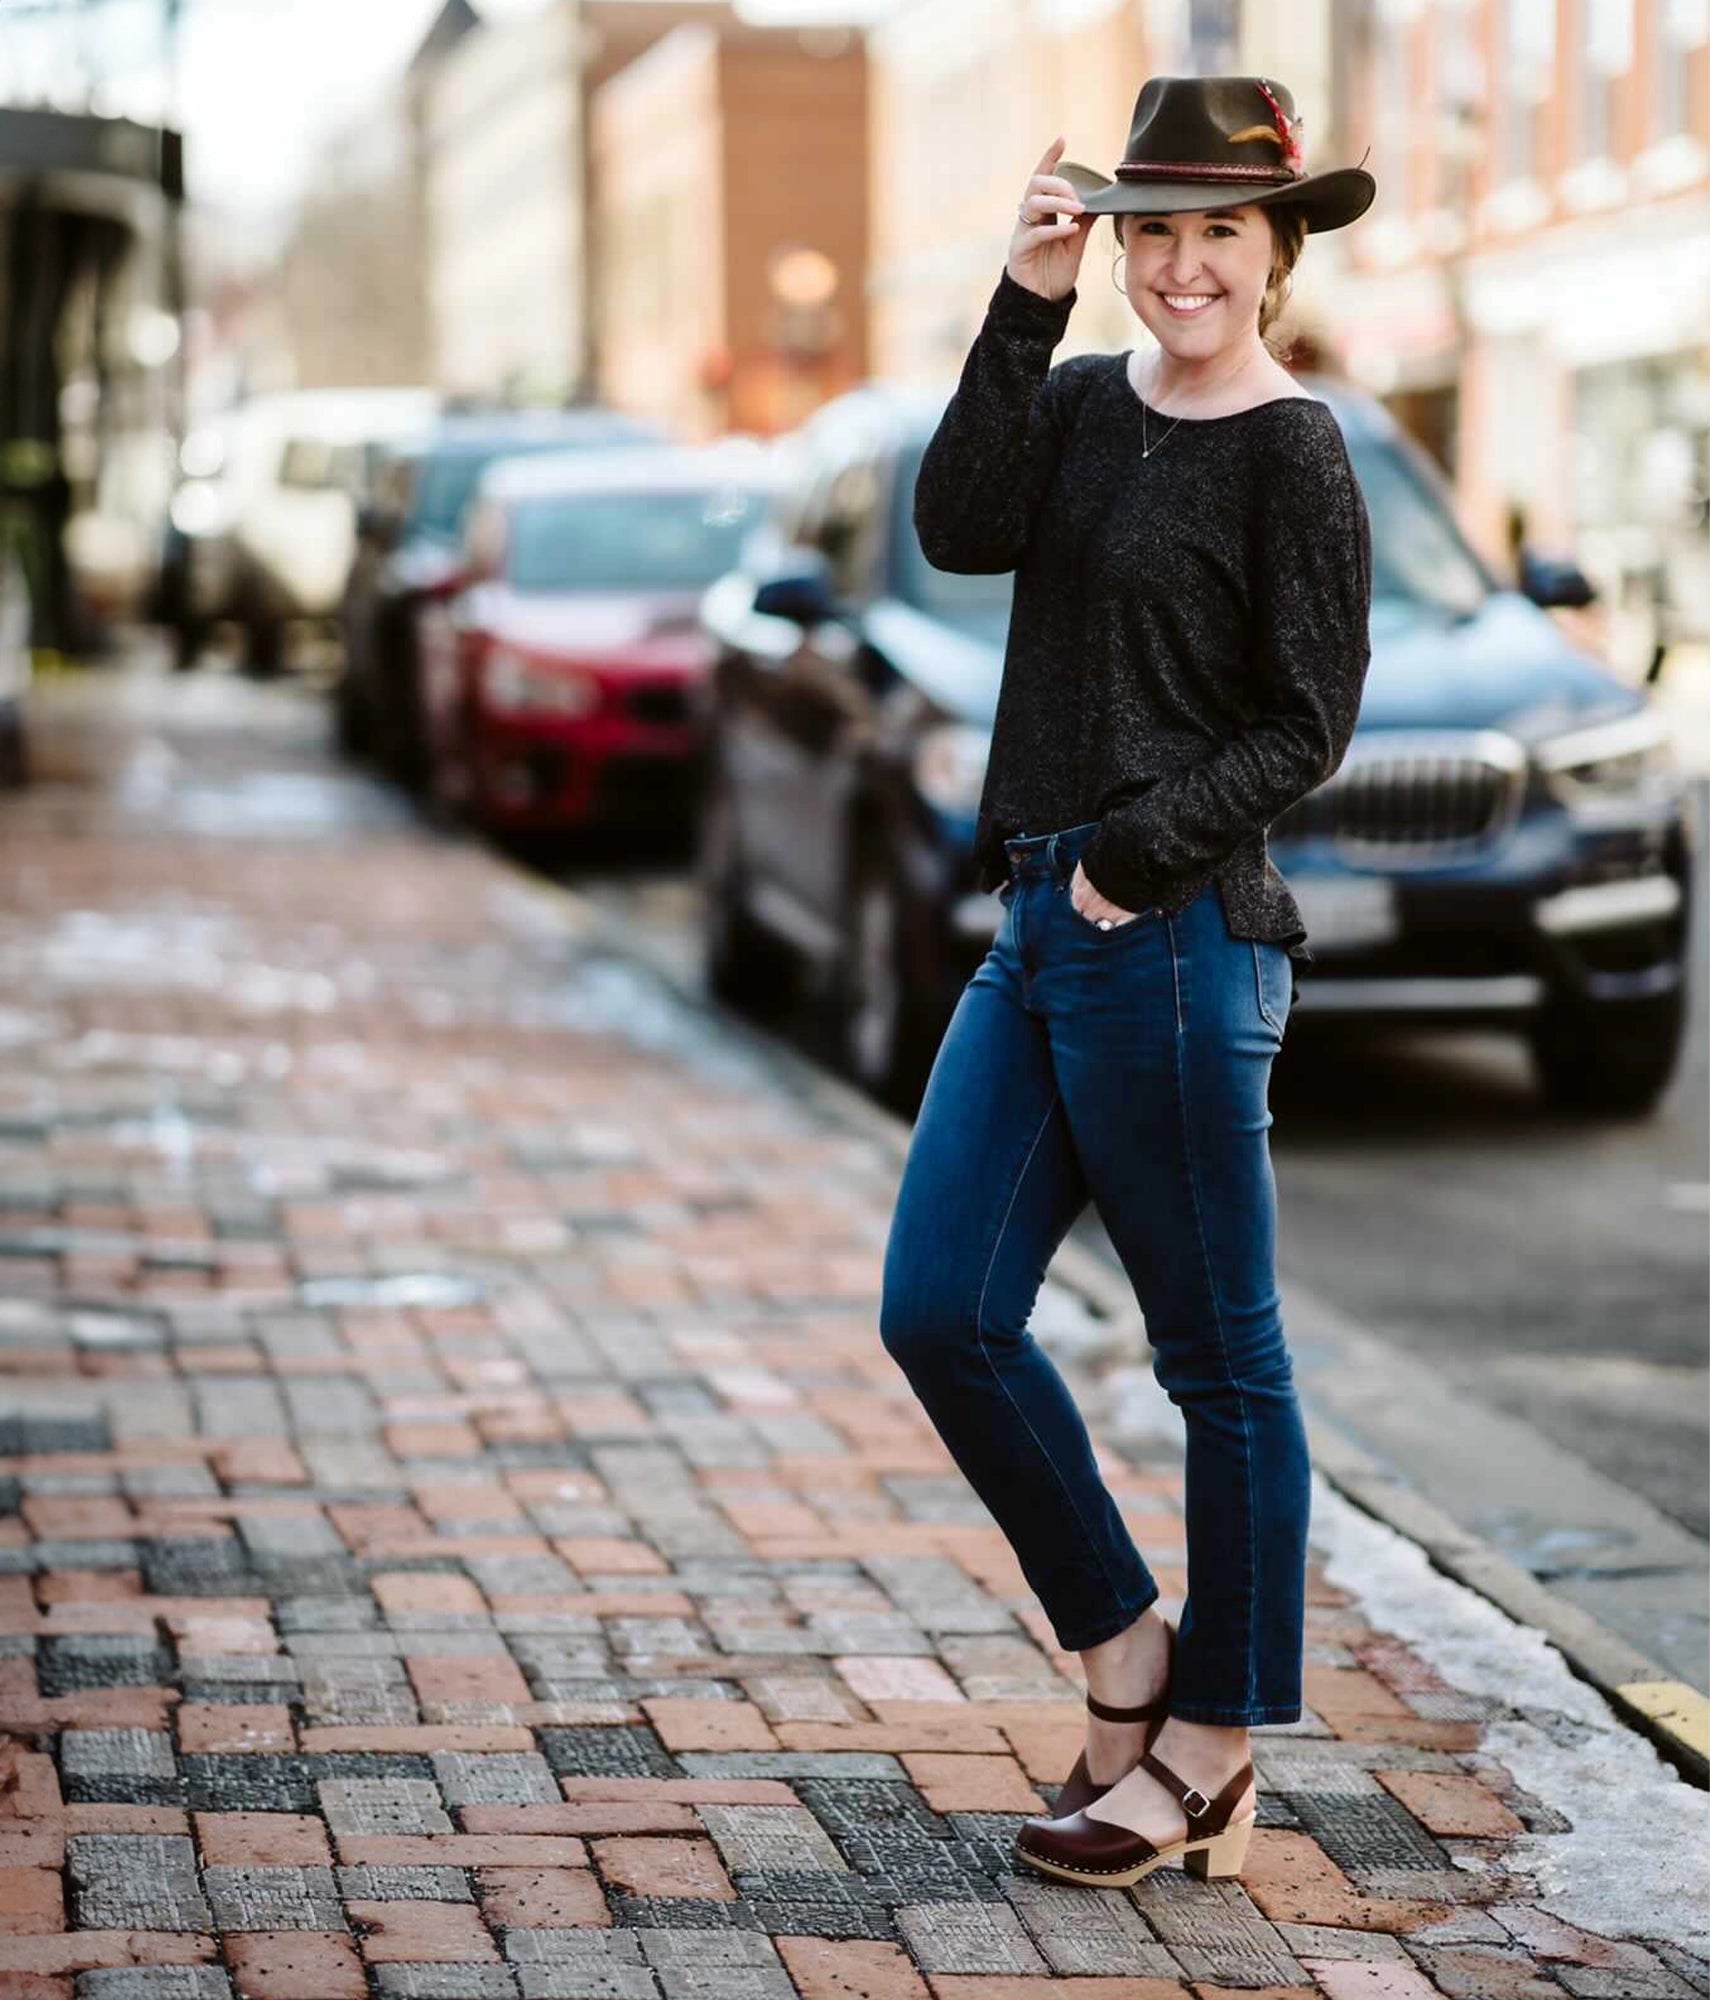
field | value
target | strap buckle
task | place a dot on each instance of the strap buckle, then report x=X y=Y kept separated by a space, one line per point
x=1187 y=1802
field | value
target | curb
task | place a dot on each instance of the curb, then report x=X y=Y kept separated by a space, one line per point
x=1672 y=1715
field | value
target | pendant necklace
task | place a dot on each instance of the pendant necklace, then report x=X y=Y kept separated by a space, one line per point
x=1145 y=448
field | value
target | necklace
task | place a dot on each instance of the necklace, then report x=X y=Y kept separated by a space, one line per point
x=1145 y=448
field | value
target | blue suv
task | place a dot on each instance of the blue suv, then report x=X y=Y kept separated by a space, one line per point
x=1506 y=841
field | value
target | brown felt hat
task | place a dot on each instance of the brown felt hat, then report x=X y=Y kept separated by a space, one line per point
x=1201 y=142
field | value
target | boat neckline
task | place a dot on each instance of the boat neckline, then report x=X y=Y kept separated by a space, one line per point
x=1228 y=416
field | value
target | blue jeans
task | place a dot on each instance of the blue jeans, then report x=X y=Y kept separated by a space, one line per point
x=1130 y=1066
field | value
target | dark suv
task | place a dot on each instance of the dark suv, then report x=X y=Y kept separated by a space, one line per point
x=1506 y=841
x=409 y=552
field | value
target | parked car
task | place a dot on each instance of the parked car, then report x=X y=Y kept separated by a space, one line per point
x=562 y=687
x=263 y=526
x=15 y=665
x=410 y=554
x=1505 y=842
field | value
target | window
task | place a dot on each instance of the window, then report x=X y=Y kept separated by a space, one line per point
x=977 y=605
x=1529 y=51
x=1677 y=27
x=628 y=541
x=1606 y=57
x=1419 y=556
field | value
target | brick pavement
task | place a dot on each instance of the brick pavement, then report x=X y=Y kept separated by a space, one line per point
x=460 y=1534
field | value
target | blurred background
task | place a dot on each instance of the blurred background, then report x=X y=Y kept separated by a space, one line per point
x=522 y=401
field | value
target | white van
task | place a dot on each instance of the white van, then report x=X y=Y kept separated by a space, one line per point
x=266 y=514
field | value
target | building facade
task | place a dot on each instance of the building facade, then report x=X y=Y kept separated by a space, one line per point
x=730 y=208
x=1532 y=290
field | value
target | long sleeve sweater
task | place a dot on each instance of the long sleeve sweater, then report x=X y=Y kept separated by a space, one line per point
x=1188 y=641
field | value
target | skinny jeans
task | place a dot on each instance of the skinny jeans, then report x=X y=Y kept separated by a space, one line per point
x=1130 y=1067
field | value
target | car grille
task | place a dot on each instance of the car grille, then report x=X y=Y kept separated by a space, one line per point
x=1413 y=798
x=663 y=703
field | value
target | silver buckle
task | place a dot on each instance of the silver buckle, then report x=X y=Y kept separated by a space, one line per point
x=1193 y=1811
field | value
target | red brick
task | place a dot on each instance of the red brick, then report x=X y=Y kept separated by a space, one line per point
x=1452 y=1805
x=1391 y=1979
x=608 y=1555
x=1293 y=1881
x=416 y=1737
x=478 y=1677
x=34 y=1986
x=595 y=1817
x=31 y=1844
x=29 y=1784
x=1256 y=1993
x=404 y=1591
x=686 y=1724
x=421 y=1933
x=540 y=1898
x=972 y=1784
x=262 y=1840
x=982 y=1986
x=932 y=1726
x=679 y=1791
x=648 y=1867
x=85 y=1951
x=295 y=1965
x=850 y=1969
x=31 y=1902
x=225 y=1728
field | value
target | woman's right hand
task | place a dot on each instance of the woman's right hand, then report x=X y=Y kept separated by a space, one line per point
x=1045 y=251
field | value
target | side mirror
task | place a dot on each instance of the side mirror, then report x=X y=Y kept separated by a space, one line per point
x=378 y=525
x=804 y=597
x=1554 y=583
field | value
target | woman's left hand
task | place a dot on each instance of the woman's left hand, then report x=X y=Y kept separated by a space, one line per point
x=1092 y=905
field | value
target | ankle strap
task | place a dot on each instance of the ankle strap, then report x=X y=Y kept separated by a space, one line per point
x=1147 y=1711
x=1206 y=1814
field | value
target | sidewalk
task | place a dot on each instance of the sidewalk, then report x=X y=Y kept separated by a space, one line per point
x=460 y=1534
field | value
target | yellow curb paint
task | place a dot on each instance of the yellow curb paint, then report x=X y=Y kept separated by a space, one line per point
x=1673 y=1706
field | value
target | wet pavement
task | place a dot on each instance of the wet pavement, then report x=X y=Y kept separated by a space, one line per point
x=461 y=1535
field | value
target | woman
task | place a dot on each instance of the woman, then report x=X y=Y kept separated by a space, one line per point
x=1187 y=650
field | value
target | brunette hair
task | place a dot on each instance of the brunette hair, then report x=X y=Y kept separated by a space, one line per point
x=1288 y=238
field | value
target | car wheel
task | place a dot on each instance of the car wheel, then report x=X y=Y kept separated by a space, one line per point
x=744 y=964
x=1615 y=1060
x=14 y=751
x=883 y=1034
x=351 y=723
x=264 y=648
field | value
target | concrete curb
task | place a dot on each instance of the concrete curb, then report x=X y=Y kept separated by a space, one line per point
x=1674 y=1716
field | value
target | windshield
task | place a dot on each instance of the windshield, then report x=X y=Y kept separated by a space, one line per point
x=446 y=481
x=627 y=541
x=978 y=605
x=1419 y=557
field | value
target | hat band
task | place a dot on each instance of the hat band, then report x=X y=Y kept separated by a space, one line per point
x=1204 y=170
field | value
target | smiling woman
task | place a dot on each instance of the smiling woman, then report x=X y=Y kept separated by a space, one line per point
x=1288 y=237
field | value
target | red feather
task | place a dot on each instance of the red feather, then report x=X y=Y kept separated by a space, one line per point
x=1290 y=144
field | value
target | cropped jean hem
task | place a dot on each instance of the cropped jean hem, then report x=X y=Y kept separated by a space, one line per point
x=1234 y=1718
x=1108 y=1628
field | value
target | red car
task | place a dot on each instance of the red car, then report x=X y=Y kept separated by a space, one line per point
x=563 y=679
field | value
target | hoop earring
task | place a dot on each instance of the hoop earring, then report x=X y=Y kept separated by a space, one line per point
x=1117 y=259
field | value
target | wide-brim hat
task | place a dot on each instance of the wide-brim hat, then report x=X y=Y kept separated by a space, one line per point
x=1199 y=142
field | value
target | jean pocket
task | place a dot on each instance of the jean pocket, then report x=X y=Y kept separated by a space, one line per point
x=1273 y=982
x=1118 y=927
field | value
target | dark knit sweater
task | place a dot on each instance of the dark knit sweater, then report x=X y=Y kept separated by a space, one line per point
x=1188 y=641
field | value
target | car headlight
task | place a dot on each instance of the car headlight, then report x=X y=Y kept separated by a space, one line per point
x=950 y=767
x=1608 y=763
x=512 y=685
